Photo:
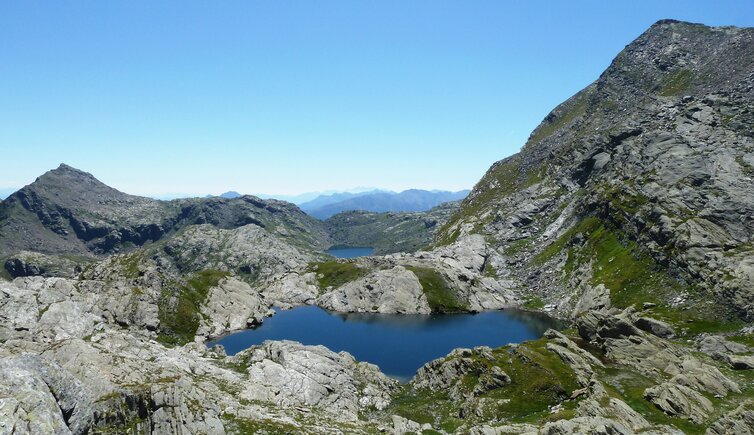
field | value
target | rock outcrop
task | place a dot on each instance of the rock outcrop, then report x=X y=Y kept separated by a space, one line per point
x=395 y=290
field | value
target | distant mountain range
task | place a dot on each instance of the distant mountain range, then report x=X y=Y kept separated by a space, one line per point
x=326 y=206
x=295 y=199
x=229 y=195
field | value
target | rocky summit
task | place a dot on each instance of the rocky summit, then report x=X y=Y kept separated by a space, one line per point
x=628 y=214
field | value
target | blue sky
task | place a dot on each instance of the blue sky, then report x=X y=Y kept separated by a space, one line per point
x=158 y=98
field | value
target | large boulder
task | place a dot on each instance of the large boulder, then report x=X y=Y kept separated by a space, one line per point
x=289 y=374
x=395 y=290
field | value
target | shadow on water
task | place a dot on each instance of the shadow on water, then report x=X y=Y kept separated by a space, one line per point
x=398 y=343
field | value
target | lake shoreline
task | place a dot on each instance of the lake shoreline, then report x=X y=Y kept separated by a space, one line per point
x=397 y=343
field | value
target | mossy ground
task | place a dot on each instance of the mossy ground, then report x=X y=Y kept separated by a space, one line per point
x=534 y=303
x=237 y=425
x=179 y=312
x=441 y=298
x=336 y=273
x=676 y=83
x=539 y=380
x=573 y=110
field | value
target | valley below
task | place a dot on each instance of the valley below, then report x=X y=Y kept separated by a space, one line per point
x=600 y=281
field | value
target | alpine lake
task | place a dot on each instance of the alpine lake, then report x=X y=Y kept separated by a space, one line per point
x=398 y=343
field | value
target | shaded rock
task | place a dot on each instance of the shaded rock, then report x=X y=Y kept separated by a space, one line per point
x=679 y=401
x=740 y=362
x=443 y=373
x=403 y=425
x=739 y=421
x=655 y=327
x=491 y=380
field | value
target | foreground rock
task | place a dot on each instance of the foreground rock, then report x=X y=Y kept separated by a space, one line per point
x=288 y=374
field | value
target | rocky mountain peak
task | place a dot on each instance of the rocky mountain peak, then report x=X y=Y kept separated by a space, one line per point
x=659 y=150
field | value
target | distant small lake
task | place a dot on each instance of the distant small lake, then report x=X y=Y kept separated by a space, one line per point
x=398 y=343
x=350 y=252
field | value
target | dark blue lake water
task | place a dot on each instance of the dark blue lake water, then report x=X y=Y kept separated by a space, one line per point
x=350 y=252
x=398 y=343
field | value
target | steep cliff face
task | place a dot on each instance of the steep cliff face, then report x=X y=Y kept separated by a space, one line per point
x=643 y=181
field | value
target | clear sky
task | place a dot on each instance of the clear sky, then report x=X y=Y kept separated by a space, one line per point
x=284 y=97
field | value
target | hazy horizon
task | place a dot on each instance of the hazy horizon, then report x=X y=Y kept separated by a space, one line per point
x=270 y=98
x=297 y=198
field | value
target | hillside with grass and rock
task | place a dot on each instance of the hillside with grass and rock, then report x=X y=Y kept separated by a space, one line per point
x=628 y=214
x=389 y=232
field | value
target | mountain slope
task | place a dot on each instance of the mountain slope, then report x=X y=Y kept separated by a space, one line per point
x=408 y=200
x=324 y=200
x=389 y=232
x=641 y=182
x=67 y=211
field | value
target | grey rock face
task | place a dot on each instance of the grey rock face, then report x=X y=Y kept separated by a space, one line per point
x=657 y=150
x=232 y=305
x=395 y=290
x=740 y=362
x=715 y=344
x=738 y=421
x=289 y=289
x=441 y=374
x=68 y=370
x=392 y=286
x=27 y=404
x=680 y=400
x=288 y=374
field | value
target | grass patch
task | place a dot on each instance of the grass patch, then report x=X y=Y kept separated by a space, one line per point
x=745 y=167
x=129 y=265
x=745 y=339
x=517 y=246
x=4 y=274
x=425 y=406
x=238 y=425
x=180 y=314
x=539 y=380
x=335 y=273
x=441 y=298
x=676 y=83
x=534 y=303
